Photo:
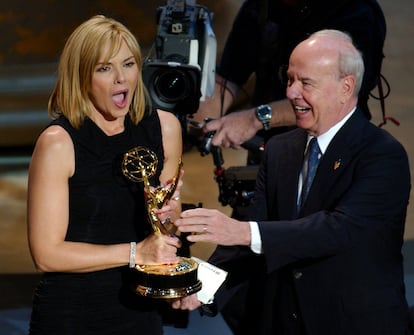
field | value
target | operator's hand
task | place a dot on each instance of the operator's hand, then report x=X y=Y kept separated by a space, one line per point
x=211 y=225
x=234 y=129
x=188 y=303
x=157 y=249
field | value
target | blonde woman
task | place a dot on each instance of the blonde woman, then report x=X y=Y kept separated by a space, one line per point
x=84 y=217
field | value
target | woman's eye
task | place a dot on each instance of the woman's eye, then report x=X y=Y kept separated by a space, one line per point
x=130 y=64
x=103 y=68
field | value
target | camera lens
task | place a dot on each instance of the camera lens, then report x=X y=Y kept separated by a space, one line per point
x=171 y=85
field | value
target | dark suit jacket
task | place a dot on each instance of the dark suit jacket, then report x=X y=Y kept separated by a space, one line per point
x=336 y=267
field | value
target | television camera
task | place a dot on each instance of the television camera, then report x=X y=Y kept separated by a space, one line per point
x=180 y=69
x=178 y=73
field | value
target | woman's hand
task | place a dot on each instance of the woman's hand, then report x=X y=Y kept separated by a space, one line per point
x=172 y=208
x=157 y=249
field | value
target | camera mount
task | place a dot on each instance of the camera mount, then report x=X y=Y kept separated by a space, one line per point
x=236 y=184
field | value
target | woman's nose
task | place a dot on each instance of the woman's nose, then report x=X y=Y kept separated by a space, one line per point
x=119 y=76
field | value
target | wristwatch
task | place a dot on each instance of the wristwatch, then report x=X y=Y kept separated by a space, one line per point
x=264 y=115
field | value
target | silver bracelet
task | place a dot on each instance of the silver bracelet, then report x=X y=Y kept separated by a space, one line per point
x=132 y=250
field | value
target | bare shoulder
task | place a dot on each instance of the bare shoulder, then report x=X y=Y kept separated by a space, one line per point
x=54 y=146
x=54 y=139
x=169 y=122
x=172 y=143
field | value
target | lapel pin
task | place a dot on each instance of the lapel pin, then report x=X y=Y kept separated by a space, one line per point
x=337 y=164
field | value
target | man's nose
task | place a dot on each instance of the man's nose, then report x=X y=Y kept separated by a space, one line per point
x=293 y=90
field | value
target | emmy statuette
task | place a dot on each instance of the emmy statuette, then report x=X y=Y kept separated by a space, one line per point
x=159 y=280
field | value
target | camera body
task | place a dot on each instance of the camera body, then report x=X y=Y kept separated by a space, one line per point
x=236 y=183
x=182 y=69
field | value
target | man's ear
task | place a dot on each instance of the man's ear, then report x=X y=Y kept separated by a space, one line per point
x=348 y=87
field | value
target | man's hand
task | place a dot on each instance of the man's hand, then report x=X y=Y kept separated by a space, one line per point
x=211 y=225
x=190 y=302
x=233 y=129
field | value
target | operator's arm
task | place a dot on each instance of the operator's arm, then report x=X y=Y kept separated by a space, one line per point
x=217 y=105
x=236 y=128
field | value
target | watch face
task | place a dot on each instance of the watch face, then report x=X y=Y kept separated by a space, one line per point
x=264 y=112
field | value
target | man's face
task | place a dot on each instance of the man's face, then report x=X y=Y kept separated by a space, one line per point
x=314 y=87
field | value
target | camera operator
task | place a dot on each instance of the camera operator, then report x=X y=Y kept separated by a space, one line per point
x=262 y=37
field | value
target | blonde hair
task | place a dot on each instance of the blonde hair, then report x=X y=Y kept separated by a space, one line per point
x=82 y=51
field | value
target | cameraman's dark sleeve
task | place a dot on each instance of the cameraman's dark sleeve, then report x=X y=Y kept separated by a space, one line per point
x=365 y=22
x=239 y=57
x=369 y=36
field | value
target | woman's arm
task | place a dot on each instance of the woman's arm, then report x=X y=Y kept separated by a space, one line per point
x=172 y=143
x=51 y=166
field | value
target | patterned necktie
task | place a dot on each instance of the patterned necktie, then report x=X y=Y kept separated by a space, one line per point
x=313 y=160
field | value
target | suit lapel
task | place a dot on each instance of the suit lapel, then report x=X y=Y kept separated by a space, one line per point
x=291 y=166
x=334 y=163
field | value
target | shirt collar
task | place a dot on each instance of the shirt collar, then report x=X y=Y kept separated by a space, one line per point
x=326 y=138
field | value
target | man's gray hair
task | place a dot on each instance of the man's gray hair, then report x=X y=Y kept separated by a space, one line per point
x=350 y=58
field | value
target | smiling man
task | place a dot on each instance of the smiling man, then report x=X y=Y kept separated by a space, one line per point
x=321 y=92
x=325 y=260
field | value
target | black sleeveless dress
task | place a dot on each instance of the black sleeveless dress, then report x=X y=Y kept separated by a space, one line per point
x=104 y=208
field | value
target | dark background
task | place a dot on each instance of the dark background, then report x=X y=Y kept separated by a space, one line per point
x=33 y=36
x=34 y=32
